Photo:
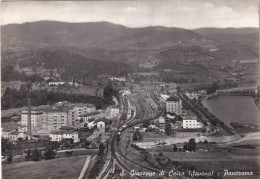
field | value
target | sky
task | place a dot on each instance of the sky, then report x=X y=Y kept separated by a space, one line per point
x=187 y=14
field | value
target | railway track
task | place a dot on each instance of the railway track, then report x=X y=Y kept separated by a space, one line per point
x=142 y=113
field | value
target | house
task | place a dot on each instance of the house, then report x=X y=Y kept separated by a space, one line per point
x=7 y=128
x=191 y=122
x=174 y=105
x=15 y=135
x=71 y=135
x=161 y=124
x=101 y=126
x=125 y=92
x=22 y=128
x=91 y=124
x=117 y=78
x=170 y=116
x=65 y=83
x=55 y=136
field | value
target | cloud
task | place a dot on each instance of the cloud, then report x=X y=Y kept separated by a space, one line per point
x=183 y=9
x=170 y=13
x=209 y=5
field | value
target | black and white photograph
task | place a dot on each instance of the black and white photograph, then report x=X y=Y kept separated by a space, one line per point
x=124 y=89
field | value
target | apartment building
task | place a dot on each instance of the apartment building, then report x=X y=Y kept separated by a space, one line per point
x=191 y=122
x=77 y=111
x=36 y=118
x=55 y=118
x=174 y=105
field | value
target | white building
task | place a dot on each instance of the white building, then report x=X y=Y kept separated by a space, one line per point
x=71 y=135
x=174 y=105
x=58 y=136
x=36 y=118
x=55 y=136
x=78 y=111
x=15 y=135
x=162 y=124
x=91 y=115
x=191 y=122
x=117 y=78
x=101 y=126
x=125 y=92
x=67 y=83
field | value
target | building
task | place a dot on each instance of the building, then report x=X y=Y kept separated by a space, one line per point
x=89 y=116
x=55 y=118
x=101 y=126
x=79 y=110
x=15 y=135
x=36 y=118
x=191 y=122
x=174 y=105
x=12 y=131
x=117 y=79
x=71 y=135
x=64 y=83
x=162 y=124
x=55 y=136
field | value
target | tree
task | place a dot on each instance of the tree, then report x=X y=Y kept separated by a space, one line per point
x=36 y=155
x=135 y=137
x=69 y=153
x=49 y=153
x=10 y=158
x=28 y=156
x=87 y=144
x=185 y=147
x=175 y=149
x=191 y=145
x=168 y=129
x=146 y=123
x=101 y=149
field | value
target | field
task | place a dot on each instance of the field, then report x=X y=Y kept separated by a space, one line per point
x=52 y=169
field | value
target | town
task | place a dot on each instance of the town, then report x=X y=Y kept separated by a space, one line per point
x=146 y=124
x=130 y=89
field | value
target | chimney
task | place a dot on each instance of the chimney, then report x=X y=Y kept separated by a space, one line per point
x=29 y=125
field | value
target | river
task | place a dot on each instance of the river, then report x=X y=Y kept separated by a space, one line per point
x=234 y=109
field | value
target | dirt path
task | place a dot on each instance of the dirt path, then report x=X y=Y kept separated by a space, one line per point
x=85 y=166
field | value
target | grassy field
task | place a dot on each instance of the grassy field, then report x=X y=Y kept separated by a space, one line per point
x=51 y=169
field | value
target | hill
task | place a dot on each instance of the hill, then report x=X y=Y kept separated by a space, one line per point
x=229 y=34
x=93 y=34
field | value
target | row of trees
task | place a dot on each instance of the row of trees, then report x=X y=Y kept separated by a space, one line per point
x=9 y=74
x=190 y=146
x=13 y=98
x=95 y=170
x=37 y=155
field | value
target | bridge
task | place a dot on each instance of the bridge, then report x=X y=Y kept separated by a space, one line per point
x=240 y=91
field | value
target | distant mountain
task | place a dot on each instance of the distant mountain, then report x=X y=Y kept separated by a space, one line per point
x=93 y=34
x=229 y=34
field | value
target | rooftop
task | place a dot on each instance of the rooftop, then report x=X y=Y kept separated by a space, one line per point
x=189 y=118
x=90 y=114
x=9 y=126
x=173 y=98
x=56 y=110
x=68 y=132
x=84 y=105
x=103 y=119
x=15 y=133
